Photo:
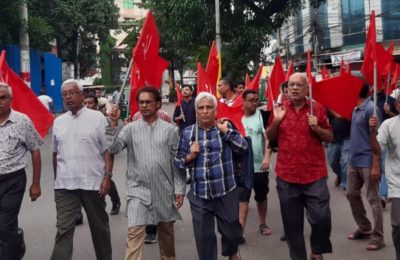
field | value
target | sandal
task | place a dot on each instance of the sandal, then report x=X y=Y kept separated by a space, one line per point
x=358 y=234
x=265 y=230
x=316 y=257
x=375 y=244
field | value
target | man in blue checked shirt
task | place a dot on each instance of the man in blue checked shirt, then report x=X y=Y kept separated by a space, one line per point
x=206 y=149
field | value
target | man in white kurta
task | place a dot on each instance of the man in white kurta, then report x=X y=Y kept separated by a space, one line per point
x=155 y=188
x=388 y=137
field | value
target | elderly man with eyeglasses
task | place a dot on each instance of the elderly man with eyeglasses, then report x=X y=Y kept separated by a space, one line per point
x=82 y=167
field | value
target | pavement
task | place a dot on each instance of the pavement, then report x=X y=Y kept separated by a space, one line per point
x=38 y=219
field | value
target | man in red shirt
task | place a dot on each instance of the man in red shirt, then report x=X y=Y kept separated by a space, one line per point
x=301 y=169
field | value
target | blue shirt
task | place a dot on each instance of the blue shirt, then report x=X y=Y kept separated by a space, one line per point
x=360 y=148
x=212 y=171
x=189 y=112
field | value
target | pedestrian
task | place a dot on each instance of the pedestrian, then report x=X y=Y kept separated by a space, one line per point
x=301 y=169
x=18 y=137
x=104 y=105
x=185 y=114
x=91 y=102
x=226 y=88
x=359 y=173
x=82 y=168
x=206 y=149
x=239 y=87
x=155 y=188
x=389 y=138
x=46 y=100
x=254 y=122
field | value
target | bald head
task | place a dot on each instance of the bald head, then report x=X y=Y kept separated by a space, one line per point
x=299 y=75
x=298 y=88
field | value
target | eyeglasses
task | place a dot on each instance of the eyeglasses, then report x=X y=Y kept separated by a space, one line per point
x=146 y=102
x=294 y=84
x=70 y=93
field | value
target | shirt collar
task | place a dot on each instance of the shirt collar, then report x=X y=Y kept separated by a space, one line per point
x=363 y=105
x=80 y=111
x=306 y=105
x=11 y=118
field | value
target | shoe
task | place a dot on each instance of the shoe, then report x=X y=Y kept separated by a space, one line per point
x=79 y=221
x=283 y=237
x=115 y=209
x=242 y=240
x=150 y=239
x=235 y=257
x=316 y=257
x=383 y=201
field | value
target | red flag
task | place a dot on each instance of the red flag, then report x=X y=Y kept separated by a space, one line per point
x=178 y=94
x=395 y=76
x=390 y=49
x=348 y=68
x=212 y=67
x=135 y=81
x=24 y=100
x=271 y=99
x=290 y=71
x=256 y=80
x=234 y=113
x=203 y=81
x=277 y=77
x=145 y=54
x=247 y=80
x=339 y=94
x=342 y=69
x=311 y=79
x=325 y=72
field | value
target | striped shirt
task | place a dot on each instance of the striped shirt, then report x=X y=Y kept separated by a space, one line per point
x=212 y=171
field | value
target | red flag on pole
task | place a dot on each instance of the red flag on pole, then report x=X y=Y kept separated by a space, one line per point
x=290 y=71
x=310 y=77
x=396 y=73
x=203 y=80
x=256 y=80
x=247 y=80
x=390 y=49
x=277 y=77
x=348 y=68
x=325 y=72
x=213 y=66
x=339 y=93
x=145 y=54
x=178 y=94
x=135 y=81
x=24 y=100
x=234 y=113
x=342 y=69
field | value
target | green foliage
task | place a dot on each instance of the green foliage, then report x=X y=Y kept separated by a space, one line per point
x=187 y=28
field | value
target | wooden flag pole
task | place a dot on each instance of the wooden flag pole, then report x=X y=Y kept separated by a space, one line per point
x=387 y=88
x=196 y=133
x=311 y=98
x=124 y=82
x=375 y=88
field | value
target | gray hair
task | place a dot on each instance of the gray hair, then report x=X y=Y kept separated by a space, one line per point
x=207 y=96
x=72 y=82
x=8 y=88
x=302 y=74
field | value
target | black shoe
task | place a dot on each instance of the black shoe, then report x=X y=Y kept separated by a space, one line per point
x=79 y=221
x=150 y=238
x=242 y=240
x=115 y=209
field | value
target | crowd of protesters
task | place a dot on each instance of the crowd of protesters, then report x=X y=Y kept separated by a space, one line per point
x=217 y=162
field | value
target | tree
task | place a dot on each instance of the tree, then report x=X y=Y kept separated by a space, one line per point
x=187 y=28
x=75 y=24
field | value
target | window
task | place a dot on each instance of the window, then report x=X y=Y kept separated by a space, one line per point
x=390 y=19
x=128 y=4
x=353 y=19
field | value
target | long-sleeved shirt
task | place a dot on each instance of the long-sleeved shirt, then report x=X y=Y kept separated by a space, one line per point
x=189 y=113
x=212 y=170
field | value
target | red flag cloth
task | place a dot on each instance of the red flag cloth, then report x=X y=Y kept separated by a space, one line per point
x=145 y=54
x=290 y=71
x=342 y=69
x=277 y=77
x=135 y=81
x=339 y=94
x=396 y=74
x=178 y=94
x=271 y=99
x=390 y=49
x=234 y=113
x=212 y=67
x=311 y=79
x=348 y=68
x=203 y=81
x=247 y=80
x=24 y=100
x=256 y=80
x=325 y=72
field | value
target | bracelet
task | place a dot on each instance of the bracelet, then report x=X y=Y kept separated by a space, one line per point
x=108 y=174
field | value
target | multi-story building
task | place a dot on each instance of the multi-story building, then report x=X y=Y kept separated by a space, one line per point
x=338 y=28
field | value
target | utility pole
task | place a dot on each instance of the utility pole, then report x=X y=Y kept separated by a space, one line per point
x=217 y=27
x=24 y=43
x=287 y=53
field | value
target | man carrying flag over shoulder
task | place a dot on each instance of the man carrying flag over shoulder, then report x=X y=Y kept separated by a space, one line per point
x=301 y=169
x=185 y=114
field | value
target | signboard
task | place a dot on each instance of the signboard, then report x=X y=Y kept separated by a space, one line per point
x=347 y=57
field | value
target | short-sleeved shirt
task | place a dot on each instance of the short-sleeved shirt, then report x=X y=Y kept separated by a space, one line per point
x=301 y=157
x=46 y=101
x=80 y=142
x=17 y=137
x=360 y=147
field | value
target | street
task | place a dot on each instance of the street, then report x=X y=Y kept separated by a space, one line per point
x=38 y=219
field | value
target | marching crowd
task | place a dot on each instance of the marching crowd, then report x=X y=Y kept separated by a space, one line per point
x=223 y=167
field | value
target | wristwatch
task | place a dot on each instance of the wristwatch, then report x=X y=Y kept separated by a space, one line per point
x=108 y=174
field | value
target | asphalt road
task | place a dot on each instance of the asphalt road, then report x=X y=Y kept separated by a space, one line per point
x=38 y=219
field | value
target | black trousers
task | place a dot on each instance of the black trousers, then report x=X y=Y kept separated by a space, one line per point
x=313 y=197
x=114 y=194
x=204 y=212
x=11 y=195
x=395 y=220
